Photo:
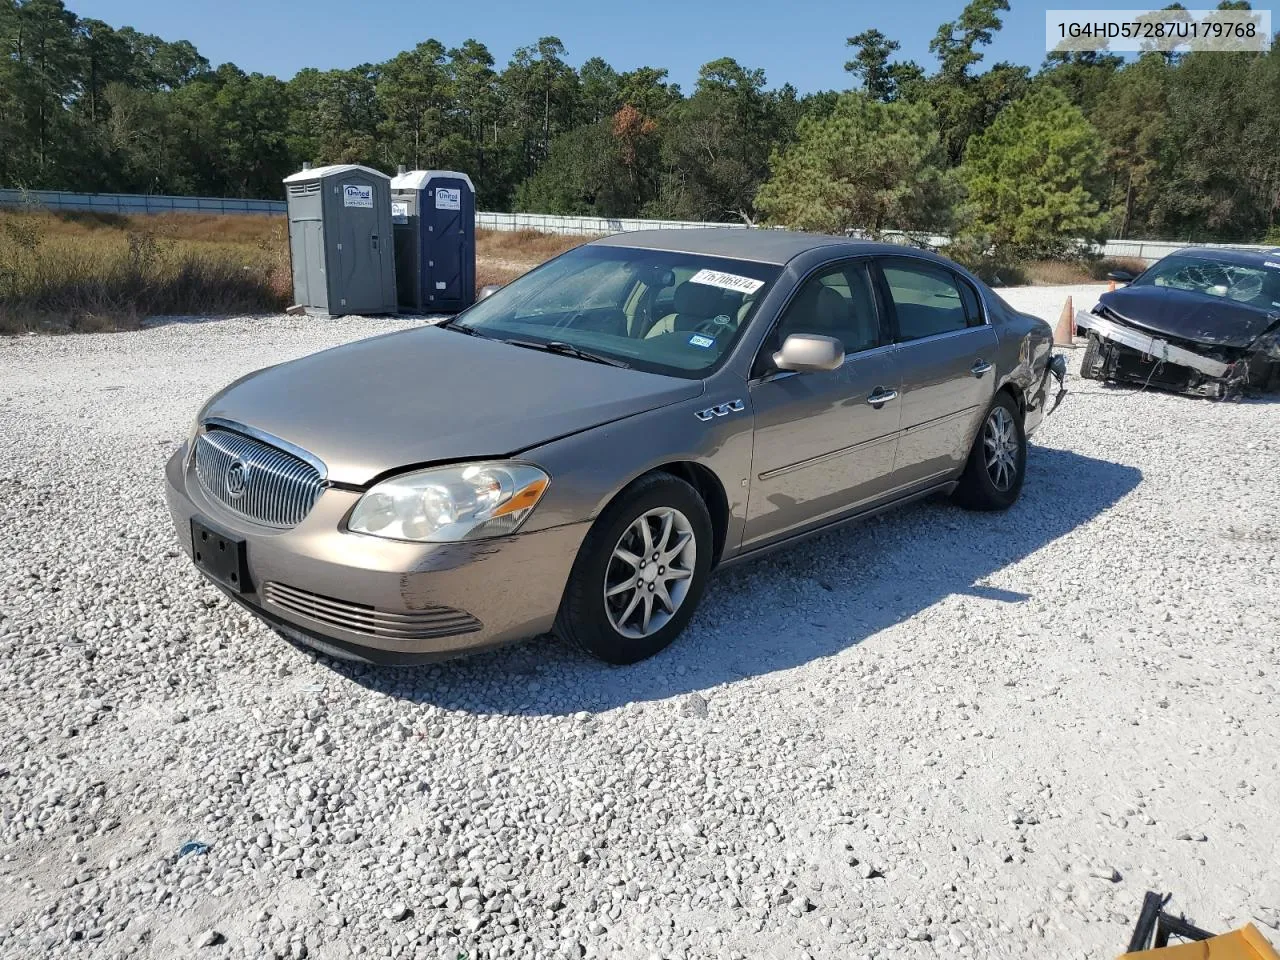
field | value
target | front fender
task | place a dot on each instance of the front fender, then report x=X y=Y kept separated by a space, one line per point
x=590 y=468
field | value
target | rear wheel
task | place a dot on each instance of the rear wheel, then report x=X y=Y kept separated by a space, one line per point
x=992 y=478
x=640 y=572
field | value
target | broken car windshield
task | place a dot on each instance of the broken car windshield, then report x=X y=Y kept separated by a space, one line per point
x=1242 y=283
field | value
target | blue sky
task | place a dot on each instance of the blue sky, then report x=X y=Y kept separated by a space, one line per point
x=800 y=41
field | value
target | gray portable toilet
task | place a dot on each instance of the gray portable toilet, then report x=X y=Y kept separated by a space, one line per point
x=340 y=240
x=434 y=217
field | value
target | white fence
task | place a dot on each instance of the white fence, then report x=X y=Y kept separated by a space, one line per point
x=134 y=203
x=1153 y=250
x=129 y=203
x=580 y=226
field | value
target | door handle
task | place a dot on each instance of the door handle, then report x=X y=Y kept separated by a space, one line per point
x=979 y=367
x=879 y=396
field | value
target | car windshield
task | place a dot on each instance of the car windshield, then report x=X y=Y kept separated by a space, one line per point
x=1258 y=286
x=672 y=313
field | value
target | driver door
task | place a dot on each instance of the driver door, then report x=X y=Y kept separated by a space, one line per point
x=825 y=441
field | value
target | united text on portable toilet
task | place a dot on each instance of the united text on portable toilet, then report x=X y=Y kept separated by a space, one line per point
x=434 y=218
x=340 y=240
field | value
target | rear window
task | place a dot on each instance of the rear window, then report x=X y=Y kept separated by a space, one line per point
x=929 y=300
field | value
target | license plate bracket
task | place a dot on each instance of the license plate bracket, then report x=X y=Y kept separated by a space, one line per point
x=220 y=556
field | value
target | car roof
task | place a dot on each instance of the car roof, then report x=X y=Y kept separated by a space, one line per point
x=758 y=246
x=1251 y=258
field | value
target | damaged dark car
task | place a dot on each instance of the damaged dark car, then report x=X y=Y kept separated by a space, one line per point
x=1202 y=321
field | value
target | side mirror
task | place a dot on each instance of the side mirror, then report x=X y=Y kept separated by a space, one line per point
x=808 y=352
x=488 y=290
x=1120 y=276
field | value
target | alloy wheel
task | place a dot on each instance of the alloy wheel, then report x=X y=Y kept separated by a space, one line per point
x=1000 y=440
x=649 y=572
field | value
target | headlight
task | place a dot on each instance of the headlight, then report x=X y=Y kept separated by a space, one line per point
x=472 y=501
x=191 y=437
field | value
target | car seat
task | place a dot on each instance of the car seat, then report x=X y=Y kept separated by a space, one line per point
x=696 y=304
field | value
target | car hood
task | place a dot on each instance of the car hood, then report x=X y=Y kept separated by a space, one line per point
x=1190 y=316
x=427 y=396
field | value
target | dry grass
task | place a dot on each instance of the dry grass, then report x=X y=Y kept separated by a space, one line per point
x=524 y=246
x=81 y=272
x=90 y=272
x=1064 y=272
x=501 y=274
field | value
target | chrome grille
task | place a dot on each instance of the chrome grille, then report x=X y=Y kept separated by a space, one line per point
x=434 y=621
x=256 y=480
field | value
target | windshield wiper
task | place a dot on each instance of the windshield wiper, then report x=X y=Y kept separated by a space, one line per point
x=458 y=327
x=567 y=350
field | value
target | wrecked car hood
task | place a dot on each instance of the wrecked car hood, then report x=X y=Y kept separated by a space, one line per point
x=1183 y=315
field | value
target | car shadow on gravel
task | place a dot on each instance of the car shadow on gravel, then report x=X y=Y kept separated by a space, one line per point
x=798 y=605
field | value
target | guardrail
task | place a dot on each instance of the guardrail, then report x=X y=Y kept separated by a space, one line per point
x=132 y=203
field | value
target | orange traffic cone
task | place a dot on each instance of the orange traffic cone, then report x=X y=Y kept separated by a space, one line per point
x=1064 y=333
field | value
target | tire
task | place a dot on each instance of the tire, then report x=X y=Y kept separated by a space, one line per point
x=614 y=629
x=995 y=486
x=1092 y=358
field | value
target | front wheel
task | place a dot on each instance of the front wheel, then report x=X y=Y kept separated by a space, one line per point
x=997 y=465
x=640 y=573
x=1091 y=363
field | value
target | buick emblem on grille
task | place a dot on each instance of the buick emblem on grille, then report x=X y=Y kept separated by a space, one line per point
x=237 y=479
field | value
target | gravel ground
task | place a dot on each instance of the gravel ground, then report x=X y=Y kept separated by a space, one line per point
x=934 y=734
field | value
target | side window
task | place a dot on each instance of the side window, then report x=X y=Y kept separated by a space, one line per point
x=837 y=302
x=929 y=300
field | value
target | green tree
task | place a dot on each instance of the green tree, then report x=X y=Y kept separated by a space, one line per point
x=1085 y=77
x=869 y=166
x=601 y=95
x=414 y=95
x=334 y=115
x=870 y=65
x=1219 y=162
x=1131 y=116
x=540 y=92
x=39 y=77
x=714 y=148
x=965 y=102
x=956 y=41
x=234 y=138
x=1031 y=178
x=647 y=89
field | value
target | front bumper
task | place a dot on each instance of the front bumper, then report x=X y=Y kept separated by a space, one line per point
x=502 y=590
x=1134 y=356
x=1150 y=346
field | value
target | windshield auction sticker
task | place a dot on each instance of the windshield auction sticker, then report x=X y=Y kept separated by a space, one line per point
x=727 y=281
x=1162 y=31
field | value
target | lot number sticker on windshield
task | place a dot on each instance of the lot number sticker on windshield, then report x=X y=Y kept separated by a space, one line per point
x=698 y=340
x=727 y=281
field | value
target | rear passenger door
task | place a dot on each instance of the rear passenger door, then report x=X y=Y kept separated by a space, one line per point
x=947 y=352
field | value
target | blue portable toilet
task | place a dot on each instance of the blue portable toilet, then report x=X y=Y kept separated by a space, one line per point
x=433 y=219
